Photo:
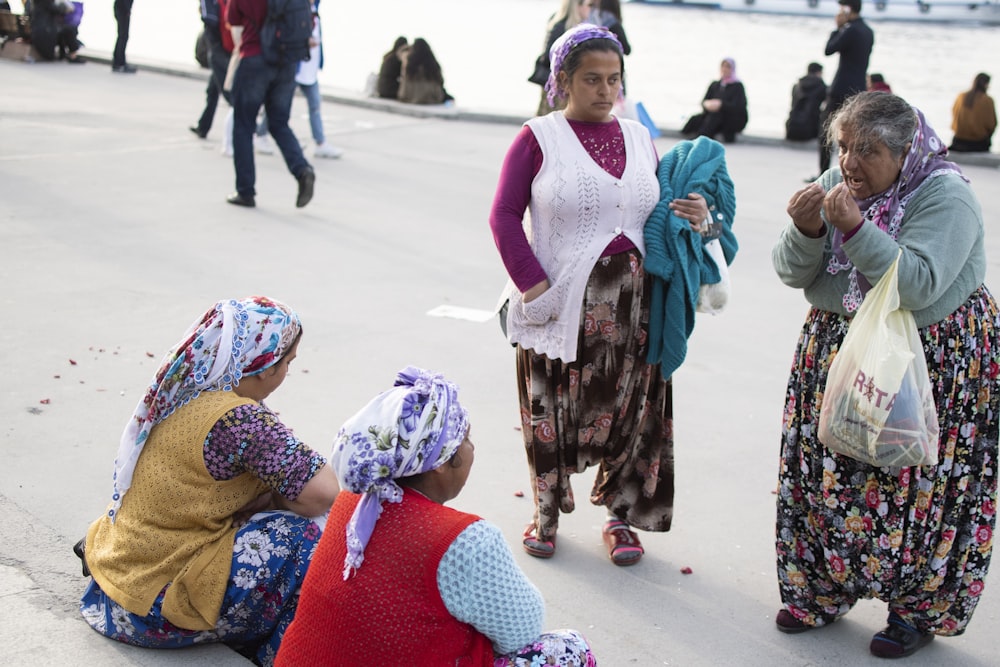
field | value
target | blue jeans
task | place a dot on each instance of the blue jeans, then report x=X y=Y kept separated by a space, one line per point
x=256 y=83
x=311 y=92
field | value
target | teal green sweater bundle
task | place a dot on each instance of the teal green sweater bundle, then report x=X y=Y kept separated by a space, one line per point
x=675 y=256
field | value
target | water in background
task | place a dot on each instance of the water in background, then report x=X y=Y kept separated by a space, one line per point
x=487 y=49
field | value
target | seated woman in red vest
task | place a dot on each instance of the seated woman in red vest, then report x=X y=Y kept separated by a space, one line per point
x=207 y=537
x=398 y=578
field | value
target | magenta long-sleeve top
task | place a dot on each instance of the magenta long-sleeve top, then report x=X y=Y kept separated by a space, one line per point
x=604 y=143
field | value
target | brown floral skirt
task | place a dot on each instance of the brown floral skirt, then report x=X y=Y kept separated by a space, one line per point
x=609 y=408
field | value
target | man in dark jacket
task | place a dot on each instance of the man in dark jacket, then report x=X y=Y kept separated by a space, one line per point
x=258 y=84
x=807 y=98
x=853 y=40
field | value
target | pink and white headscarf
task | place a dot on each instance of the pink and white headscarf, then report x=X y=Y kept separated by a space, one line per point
x=561 y=48
x=234 y=339
x=410 y=429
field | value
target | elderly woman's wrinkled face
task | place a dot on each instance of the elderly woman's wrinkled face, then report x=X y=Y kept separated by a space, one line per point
x=867 y=166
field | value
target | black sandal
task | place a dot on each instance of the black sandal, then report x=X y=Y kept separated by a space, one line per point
x=899 y=639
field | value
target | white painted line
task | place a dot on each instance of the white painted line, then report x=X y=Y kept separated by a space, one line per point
x=460 y=313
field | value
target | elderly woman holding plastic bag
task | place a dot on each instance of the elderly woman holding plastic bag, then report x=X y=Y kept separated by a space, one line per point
x=920 y=537
x=398 y=577
x=208 y=534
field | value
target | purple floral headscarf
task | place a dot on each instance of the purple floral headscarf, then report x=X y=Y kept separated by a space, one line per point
x=410 y=429
x=233 y=339
x=926 y=160
x=561 y=48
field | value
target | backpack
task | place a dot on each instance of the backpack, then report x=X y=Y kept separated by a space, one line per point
x=284 y=37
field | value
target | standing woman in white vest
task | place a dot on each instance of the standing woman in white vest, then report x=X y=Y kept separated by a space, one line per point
x=579 y=301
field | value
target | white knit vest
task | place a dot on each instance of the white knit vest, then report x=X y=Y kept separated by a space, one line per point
x=577 y=209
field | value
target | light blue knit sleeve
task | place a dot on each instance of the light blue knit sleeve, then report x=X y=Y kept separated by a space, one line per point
x=482 y=585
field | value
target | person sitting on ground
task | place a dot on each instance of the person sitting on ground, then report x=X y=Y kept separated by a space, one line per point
x=808 y=94
x=878 y=83
x=421 y=81
x=54 y=31
x=387 y=85
x=724 y=107
x=974 y=118
x=398 y=577
x=207 y=537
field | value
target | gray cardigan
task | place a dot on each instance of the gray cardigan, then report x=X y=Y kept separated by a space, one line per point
x=942 y=264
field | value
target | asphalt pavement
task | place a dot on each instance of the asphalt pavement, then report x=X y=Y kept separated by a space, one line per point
x=115 y=234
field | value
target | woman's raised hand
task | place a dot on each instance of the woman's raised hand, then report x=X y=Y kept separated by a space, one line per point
x=804 y=208
x=841 y=209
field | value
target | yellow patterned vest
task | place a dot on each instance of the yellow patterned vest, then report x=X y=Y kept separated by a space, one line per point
x=175 y=523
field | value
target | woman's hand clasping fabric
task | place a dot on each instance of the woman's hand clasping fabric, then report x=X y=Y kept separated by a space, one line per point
x=693 y=209
x=804 y=208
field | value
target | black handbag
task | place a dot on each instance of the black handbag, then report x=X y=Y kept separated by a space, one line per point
x=541 y=74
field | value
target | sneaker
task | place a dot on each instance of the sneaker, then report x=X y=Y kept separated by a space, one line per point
x=262 y=144
x=124 y=69
x=326 y=150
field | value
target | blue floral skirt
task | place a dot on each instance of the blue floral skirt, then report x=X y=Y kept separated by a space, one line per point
x=271 y=554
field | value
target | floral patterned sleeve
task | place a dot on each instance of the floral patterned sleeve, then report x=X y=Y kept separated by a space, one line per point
x=251 y=438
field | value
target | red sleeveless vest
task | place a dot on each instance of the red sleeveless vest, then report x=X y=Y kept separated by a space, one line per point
x=389 y=612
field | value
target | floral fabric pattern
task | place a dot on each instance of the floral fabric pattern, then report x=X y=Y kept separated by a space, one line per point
x=271 y=554
x=560 y=647
x=251 y=438
x=918 y=538
x=608 y=408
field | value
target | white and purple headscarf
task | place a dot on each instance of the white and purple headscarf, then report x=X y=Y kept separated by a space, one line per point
x=561 y=48
x=410 y=429
x=234 y=339
x=924 y=161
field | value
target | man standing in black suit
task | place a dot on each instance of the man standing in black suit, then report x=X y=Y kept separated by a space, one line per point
x=853 y=40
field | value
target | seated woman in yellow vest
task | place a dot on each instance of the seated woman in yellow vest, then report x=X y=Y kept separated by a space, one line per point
x=207 y=536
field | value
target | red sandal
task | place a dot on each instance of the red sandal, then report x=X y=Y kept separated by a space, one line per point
x=536 y=547
x=622 y=543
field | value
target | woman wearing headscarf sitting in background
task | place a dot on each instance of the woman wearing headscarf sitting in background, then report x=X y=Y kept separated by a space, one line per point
x=421 y=81
x=919 y=537
x=724 y=105
x=400 y=579
x=188 y=551
x=974 y=118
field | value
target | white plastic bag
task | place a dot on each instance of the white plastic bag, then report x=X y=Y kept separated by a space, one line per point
x=878 y=406
x=713 y=298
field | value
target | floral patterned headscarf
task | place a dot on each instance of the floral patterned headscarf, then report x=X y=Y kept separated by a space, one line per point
x=562 y=47
x=410 y=429
x=234 y=339
x=924 y=161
